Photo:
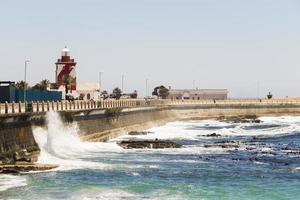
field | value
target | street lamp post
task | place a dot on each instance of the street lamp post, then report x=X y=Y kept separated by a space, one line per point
x=122 y=82
x=24 y=97
x=146 y=88
x=258 y=87
x=100 y=84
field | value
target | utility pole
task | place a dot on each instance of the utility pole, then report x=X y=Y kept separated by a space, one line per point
x=146 y=87
x=193 y=84
x=122 y=82
x=100 y=84
x=24 y=93
x=258 y=87
x=100 y=81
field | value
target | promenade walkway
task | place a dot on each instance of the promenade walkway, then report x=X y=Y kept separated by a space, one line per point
x=37 y=107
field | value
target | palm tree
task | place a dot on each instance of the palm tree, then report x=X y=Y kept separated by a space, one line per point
x=117 y=93
x=45 y=84
x=104 y=94
x=21 y=85
x=67 y=80
x=37 y=86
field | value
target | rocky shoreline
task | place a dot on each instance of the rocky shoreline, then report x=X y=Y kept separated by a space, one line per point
x=23 y=161
x=240 y=119
x=148 y=144
x=255 y=149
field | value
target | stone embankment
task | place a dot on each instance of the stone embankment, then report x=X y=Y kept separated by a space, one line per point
x=103 y=120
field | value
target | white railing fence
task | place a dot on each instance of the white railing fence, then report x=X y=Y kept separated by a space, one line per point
x=36 y=107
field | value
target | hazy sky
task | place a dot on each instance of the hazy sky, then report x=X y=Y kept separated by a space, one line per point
x=231 y=44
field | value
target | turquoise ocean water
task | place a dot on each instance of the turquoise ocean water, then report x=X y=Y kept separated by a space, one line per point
x=248 y=161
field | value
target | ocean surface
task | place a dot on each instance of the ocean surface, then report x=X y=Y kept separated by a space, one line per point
x=247 y=161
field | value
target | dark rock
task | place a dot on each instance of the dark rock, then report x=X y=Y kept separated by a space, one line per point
x=253 y=159
x=23 y=155
x=148 y=144
x=139 y=132
x=227 y=141
x=250 y=148
x=293 y=153
x=241 y=119
x=221 y=145
x=212 y=135
x=25 y=167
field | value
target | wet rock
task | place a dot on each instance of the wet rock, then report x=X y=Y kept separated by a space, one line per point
x=212 y=135
x=241 y=119
x=227 y=141
x=7 y=160
x=288 y=147
x=224 y=144
x=256 y=139
x=221 y=146
x=139 y=133
x=148 y=144
x=249 y=148
x=253 y=159
x=23 y=155
x=25 y=167
x=293 y=153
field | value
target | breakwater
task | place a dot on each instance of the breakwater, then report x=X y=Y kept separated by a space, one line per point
x=100 y=121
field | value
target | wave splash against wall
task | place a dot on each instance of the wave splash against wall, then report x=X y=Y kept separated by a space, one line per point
x=60 y=144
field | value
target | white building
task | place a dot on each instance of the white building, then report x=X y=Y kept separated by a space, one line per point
x=198 y=94
x=87 y=91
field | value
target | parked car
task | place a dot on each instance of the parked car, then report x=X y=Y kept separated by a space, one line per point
x=70 y=97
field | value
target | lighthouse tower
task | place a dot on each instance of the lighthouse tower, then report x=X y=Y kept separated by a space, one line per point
x=65 y=66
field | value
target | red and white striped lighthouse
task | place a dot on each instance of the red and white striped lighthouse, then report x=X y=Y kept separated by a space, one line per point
x=65 y=66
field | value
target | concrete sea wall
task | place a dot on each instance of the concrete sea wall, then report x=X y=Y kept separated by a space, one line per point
x=17 y=141
x=107 y=127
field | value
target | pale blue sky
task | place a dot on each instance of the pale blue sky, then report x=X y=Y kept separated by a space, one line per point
x=231 y=44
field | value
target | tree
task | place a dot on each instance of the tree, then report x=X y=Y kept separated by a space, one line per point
x=269 y=96
x=22 y=85
x=134 y=94
x=67 y=80
x=104 y=94
x=81 y=96
x=155 y=91
x=37 y=86
x=43 y=85
x=161 y=92
x=117 y=93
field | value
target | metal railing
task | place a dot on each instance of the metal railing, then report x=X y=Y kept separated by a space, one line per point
x=36 y=107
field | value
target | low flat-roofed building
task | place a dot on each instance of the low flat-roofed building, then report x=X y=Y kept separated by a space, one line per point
x=198 y=94
x=9 y=93
x=88 y=91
